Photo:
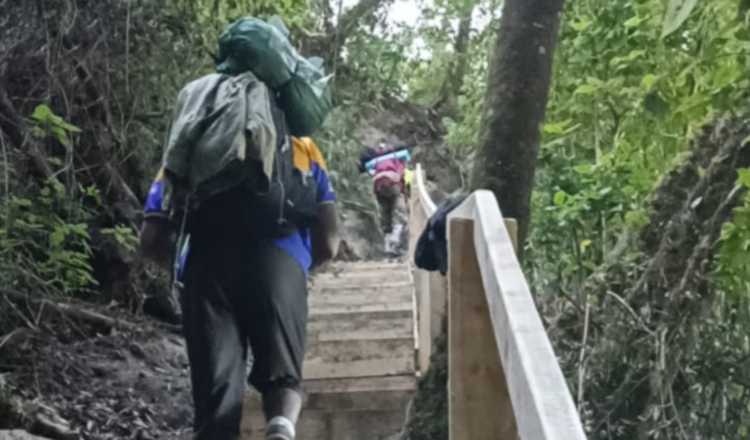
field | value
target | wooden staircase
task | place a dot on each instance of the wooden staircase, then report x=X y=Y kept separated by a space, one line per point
x=360 y=367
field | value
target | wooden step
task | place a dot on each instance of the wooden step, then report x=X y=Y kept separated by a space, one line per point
x=349 y=394
x=348 y=285
x=364 y=266
x=361 y=296
x=366 y=408
x=364 y=277
x=324 y=425
x=359 y=358
x=359 y=365
x=352 y=326
x=359 y=308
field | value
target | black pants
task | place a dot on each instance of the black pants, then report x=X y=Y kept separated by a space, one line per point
x=392 y=206
x=239 y=294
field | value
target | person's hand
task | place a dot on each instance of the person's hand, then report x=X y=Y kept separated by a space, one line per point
x=157 y=240
x=324 y=235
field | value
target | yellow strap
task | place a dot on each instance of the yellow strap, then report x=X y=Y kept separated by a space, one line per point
x=408 y=176
x=306 y=152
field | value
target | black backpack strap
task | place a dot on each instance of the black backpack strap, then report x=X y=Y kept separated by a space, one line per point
x=279 y=121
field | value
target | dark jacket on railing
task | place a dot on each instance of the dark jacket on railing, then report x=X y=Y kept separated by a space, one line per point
x=431 y=252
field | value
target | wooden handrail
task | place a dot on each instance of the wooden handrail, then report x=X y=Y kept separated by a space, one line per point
x=431 y=288
x=504 y=379
x=421 y=191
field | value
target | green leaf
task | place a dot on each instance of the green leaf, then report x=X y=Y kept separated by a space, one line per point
x=61 y=136
x=562 y=127
x=559 y=198
x=743 y=177
x=555 y=128
x=50 y=123
x=633 y=22
x=581 y=25
x=68 y=127
x=677 y=12
x=584 y=245
x=41 y=113
x=648 y=81
x=585 y=89
x=627 y=59
x=57 y=237
x=54 y=161
x=636 y=219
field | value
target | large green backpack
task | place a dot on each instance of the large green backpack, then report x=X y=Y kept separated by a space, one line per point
x=228 y=141
x=302 y=88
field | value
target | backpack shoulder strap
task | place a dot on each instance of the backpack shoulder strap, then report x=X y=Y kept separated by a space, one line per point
x=279 y=121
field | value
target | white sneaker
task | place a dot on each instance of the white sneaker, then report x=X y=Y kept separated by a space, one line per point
x=280 y=428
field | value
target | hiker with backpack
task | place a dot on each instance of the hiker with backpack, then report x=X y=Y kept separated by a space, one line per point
x=387 y=166
x=243 y=211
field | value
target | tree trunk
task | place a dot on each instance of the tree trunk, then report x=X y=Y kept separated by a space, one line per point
x=517 y=89
x=743 y=9
x=451 y=89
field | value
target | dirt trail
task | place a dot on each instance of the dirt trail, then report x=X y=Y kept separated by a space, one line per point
x=118 y=385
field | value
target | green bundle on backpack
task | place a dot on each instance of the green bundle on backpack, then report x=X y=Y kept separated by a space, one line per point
x=251 y=44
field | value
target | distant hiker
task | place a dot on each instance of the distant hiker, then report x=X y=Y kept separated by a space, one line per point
x=387 y=166
x=254 y=212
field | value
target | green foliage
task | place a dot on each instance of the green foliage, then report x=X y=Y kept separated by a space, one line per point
x=633 y=83
x=733 y=271
x=47 y=123
x=430 y=405
x=205 y=19
x=45 y=242
x=619 y=116
x=375 y=66
x=123 y=236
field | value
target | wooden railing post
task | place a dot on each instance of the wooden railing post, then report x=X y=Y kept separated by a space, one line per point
x=479 y=402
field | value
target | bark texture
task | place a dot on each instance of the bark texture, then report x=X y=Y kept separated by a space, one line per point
x=517 y=89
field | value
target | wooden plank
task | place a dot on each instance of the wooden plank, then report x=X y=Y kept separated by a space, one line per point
x=359 y=308
x=479 y=402
x=358 y=358
x=325 y=425
x=361 y=384
x=355 y=300
x=360 y=368
x=363 y=295
x=362 y=266
x=396 y=274
x=388 y=325
x=438 y=293
x=543 y=405
x=424 y=331
x=349 y=285
x=350 y=394
x=365 y=316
